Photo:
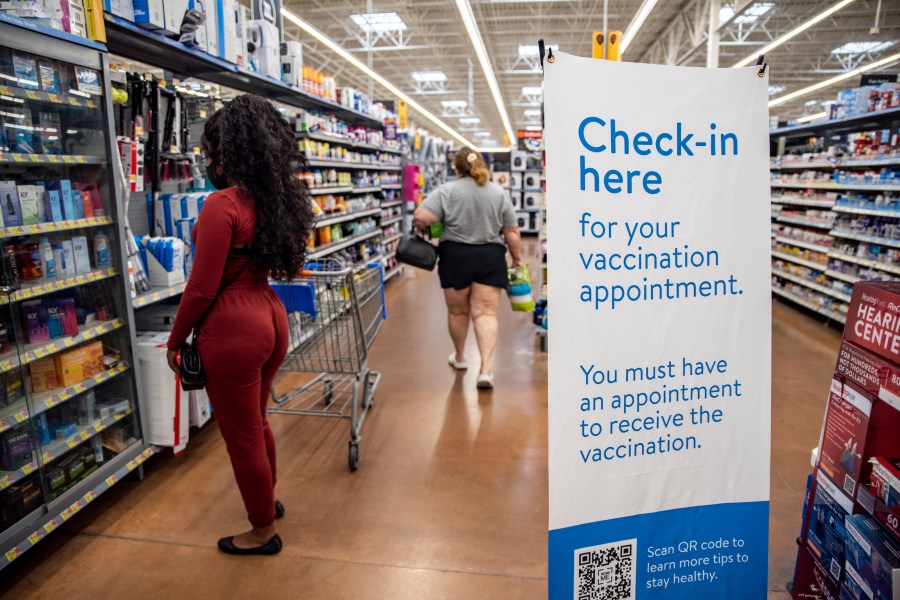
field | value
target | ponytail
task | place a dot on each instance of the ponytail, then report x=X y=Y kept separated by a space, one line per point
x=469 y=162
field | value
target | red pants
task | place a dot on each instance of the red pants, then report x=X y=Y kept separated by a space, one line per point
x=242 y=343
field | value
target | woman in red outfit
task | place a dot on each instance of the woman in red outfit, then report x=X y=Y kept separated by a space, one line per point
x=255 y=227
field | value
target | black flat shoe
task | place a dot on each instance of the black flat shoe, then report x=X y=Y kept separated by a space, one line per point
x=273 y=546
x=279 y=509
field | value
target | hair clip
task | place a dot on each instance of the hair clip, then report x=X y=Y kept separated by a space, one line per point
x=472 y=157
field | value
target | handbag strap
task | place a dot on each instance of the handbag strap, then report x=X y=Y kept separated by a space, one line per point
x=218 y=294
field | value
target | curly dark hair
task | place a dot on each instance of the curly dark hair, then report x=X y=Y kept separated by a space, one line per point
x=256 y=148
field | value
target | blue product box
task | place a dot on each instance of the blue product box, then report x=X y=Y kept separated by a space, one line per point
x=64 y=187
x=149 y=14
x=120 y=8
x=53 y=206
x=827 y=535
x=873 y=560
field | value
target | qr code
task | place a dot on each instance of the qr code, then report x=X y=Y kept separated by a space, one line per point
x=835 y=569
x=606 y=572
x=849 y=485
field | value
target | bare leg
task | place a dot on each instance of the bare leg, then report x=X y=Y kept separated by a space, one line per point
x=458 y=319
x=483 y=304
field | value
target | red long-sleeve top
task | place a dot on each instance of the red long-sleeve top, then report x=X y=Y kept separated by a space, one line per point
x=228 y=220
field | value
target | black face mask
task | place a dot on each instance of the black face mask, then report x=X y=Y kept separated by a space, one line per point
x=220 y=182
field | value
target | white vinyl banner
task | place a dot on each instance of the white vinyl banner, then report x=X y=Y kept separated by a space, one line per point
x=660 y=330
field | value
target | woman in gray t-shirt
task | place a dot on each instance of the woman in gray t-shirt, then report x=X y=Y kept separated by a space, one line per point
x=472 y=267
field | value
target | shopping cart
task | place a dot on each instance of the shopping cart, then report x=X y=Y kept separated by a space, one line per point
x=334 y=315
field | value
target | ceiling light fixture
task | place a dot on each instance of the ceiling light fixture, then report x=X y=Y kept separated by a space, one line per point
x=814 y=117
x=429 y=76
x=469 y=120
x=532 y=90
x=465 y=12
x=336 y=48
x=379 y=22
x=792 y=33
x=862 y=47
x=532 y=112
x=482 y=134
x=636 y=23
x=833 y=80
x=454 y=104
x=533 y=128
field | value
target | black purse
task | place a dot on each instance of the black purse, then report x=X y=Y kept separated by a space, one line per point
x=415 y=251
x=190 y=369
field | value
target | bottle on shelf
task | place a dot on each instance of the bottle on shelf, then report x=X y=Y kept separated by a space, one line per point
x=48 y=262
x=101 y=250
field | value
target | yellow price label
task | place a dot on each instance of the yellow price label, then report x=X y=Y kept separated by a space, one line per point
x=51 y=402
x=53 y=159
x=32 y=95
x=53 y=98
x=67 y=514
x=76 y=507
x=72 y=443
x=85 y=435
x=18 y=157
x=21 y=416
x=78 y=387
x=13 y=554
x=4 y=425
x=34 y=537
x=37 y=158
x=80 y=160
x=49 y=527
x=111 y=480
x=98 y=427
x=27 y=469
x=132 y=466
x=68 y=159
x=69 y=343
x=119 y=416
x=89 y=496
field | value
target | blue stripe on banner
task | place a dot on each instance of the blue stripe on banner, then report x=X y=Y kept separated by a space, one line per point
x=698 y=553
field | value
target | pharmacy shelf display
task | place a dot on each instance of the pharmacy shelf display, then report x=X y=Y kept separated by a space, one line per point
x=354 y=175
x=71 y=422
x=835 y=210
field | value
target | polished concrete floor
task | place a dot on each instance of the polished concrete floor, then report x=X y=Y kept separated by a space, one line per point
x=450 y=500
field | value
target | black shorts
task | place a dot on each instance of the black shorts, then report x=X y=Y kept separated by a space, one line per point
x=461 y=265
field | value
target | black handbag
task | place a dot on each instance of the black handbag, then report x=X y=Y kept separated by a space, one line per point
x=417 y=252
x=190 y=369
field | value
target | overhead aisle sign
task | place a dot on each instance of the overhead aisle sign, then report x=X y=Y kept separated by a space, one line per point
x=660 y=346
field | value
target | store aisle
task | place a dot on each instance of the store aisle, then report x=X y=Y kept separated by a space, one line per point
x=450 y=500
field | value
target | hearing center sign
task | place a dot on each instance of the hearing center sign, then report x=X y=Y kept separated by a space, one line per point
x=660 y=345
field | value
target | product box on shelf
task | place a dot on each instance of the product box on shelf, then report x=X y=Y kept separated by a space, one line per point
x=120 y=8
x=64 y=188
x=518 y=160
x=56 y=482
x=43 y=375
x=9 y=204
x=31 y=198
x=211 y=26
x=18 y=500
x=501 y=178
x=15 y=448
x=265 y=39
x=150 y=14
x=174 y=14
x=200 y=410
x=827 y=536
x=813 y=581
x=515 y=181
x=873 y=560
x=168 y=413
x=70 y=366
x=885 y=487
x=844 y=434
x=292 y=64
x=53 y=206
x=78 y=18
x=873 y=320
x=81 y=254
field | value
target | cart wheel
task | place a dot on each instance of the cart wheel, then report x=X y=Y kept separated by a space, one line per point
x=354 y=456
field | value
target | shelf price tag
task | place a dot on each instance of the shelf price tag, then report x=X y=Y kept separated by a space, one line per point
x=27 y=469
x=13 y=554
x=89 y=496
x=18 y=157
x=111 y=480
x=98 y=427
x=67 y=514
x=132 y=465
x=50 y=526
x=21 y=416
x=85 y=435
x=80 y=160
x=34 y=537
x=72 y=443
x=78 y=387
x=6 y=482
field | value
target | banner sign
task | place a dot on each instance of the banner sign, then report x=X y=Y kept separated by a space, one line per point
x=660 y=341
